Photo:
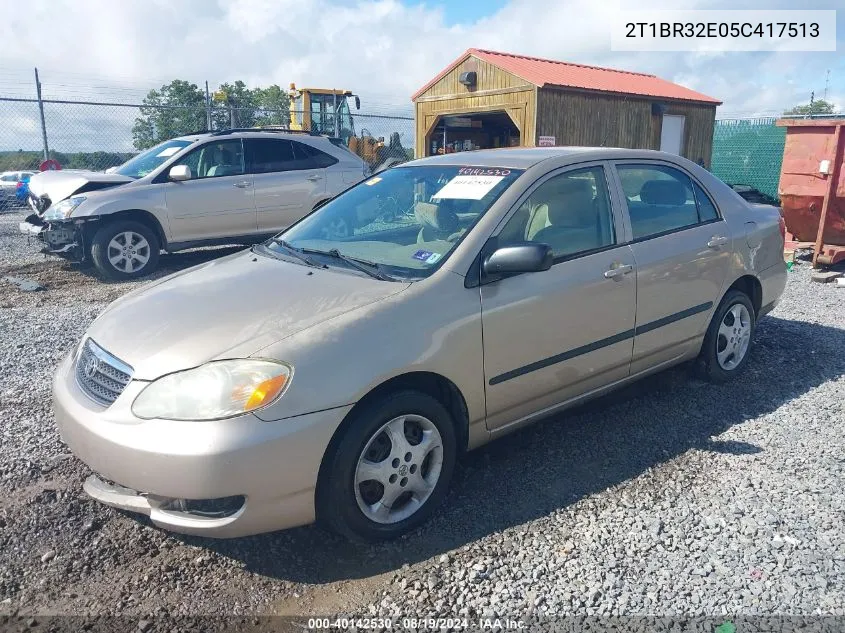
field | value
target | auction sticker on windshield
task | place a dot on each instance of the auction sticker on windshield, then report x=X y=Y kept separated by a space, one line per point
x=468 y=187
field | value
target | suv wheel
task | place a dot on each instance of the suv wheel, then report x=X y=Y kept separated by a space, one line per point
x=724 y=353
x=125 y=250
x=390 y=469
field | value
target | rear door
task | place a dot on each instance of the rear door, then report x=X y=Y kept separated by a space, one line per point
x=682 y=248
x=217 y=201
x=289 y=180
x=551 y=336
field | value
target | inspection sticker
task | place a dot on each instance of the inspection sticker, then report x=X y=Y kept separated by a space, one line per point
x=168 y=151
x=372 y=181
x=433 y=258
x=468 y=187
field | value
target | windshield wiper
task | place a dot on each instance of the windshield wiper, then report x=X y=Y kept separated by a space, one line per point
x=297 y=252
x=371 y=268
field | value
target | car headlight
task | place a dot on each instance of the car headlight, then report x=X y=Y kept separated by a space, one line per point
x=216 y=390
x=62 y=210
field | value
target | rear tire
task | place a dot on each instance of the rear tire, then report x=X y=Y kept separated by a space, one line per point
x=125 y=250
x=727 y=343
x=371 y=463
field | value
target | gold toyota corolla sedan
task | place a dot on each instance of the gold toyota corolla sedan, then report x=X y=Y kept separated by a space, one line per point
x=337 y=371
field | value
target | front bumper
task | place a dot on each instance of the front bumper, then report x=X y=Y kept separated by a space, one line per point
x=65 y=239
x=274 y=465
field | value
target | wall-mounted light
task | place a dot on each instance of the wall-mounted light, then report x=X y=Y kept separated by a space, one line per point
x=468 y=78
x=658 y=109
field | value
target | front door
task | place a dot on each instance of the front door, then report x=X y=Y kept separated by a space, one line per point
x=289 y=181
x=682 y=249
x=217 y=201
x=551 y=336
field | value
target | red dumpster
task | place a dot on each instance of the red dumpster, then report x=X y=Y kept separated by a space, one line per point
x=812 y=187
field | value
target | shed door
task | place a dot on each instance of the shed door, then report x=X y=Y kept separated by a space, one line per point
x=672 y=134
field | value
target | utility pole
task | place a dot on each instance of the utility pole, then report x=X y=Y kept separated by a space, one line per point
x=207 y=108
x=41 y=112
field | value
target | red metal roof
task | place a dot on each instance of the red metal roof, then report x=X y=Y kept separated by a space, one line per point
x=547 y=72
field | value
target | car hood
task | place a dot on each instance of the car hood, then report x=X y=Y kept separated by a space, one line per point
x=228 y=308
x=58 y=185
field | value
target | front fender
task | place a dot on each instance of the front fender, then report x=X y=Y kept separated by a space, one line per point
x=434 y=326
x=147 y=199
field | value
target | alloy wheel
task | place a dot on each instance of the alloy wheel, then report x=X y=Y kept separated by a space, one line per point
x=398 y=469
x=128 y=251
x=733 y=337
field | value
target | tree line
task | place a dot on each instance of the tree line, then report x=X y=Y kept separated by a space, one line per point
x=180 y=108
x=30 y=160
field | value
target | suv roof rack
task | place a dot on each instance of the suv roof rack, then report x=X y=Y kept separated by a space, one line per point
x=276 y=129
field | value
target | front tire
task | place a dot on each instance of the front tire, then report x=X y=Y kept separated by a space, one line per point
x=390 y=469
x=125 y=250
x=724 y=353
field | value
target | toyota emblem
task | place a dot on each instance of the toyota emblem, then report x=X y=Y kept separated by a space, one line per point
x=92 y=367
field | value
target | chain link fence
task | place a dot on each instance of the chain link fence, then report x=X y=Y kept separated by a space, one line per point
x=98 y=135
x=749 y=152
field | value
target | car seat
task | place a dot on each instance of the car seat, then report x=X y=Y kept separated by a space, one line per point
x=437 y=221
x=573 y=219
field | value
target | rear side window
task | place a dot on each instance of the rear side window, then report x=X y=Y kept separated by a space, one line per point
x=269 y=155
x=662 y=199
x=706 y=209
x=315 y=158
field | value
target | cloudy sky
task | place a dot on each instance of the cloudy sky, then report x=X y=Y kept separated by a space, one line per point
x=382 y=49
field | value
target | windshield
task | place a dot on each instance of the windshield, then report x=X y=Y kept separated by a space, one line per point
x=148 y=161
x=405 y=220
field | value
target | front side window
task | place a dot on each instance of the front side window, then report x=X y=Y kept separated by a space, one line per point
x=660 y=199
x=216 y=159
x=151 y=159
x=407 y=220
x=569 y=212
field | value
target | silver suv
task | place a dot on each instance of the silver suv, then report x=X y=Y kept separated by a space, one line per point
x=232 y=186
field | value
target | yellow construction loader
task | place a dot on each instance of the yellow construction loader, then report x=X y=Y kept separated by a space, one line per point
x=326 y=111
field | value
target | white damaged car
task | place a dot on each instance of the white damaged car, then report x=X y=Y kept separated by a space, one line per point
x=226 y=187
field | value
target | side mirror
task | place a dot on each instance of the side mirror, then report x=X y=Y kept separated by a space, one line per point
x=526 y=257
x=357 y=102
x=178 y=173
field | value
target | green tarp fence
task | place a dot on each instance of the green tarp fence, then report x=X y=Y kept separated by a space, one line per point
x=749 y=152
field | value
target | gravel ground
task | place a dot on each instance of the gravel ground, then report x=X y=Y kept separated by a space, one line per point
x=673 y=497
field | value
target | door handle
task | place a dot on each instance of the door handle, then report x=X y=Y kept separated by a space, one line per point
x=617 y=271
x=314 y=177
x=716 y=241
x=243 y=184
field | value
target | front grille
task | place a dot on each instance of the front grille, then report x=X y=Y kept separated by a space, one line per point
x=100 y=375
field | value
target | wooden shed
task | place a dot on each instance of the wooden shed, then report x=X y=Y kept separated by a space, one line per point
x=486 y=99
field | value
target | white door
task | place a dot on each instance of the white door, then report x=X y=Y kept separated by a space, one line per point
x=672 y=134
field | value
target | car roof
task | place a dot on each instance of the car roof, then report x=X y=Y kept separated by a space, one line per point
x=525 y=157
x=251 y=133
